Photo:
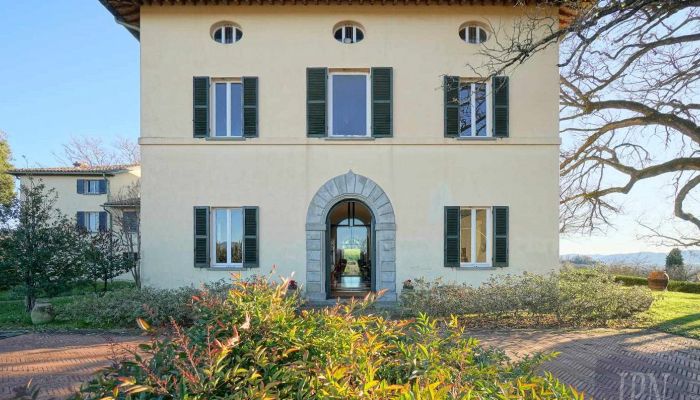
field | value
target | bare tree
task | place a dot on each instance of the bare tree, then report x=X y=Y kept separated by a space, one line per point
x=92 y=151
x=124 y=210
x=628 y=99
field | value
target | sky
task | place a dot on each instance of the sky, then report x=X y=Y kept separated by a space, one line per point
x=67 y=69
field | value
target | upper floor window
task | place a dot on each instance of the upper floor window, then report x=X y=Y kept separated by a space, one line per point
x=227 y=108
x=348 y=33
x=226 y=33
x=473 y=33
x=348 y=95
x=473 y=103
x=92 y=186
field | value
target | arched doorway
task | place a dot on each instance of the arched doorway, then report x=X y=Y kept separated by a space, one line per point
x=350 y=266
x=361 y=190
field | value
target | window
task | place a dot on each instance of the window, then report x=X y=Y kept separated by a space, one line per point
x=473 y=103
x=474 y=236
x=348 y=33
x=348 y=104
x=227 y=232
x=473 y=34
x=227 y=34
x=92 y=221
x=130 y=222
x=227 y=108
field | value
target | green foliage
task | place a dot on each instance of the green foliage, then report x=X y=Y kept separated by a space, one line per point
x=673 y=286
x=39 y=247
x=120 y=308
x=7 y=182
x=631 y=280
x=571 y=296
x=257 y=344
x=104 y=259
x=684 y=286
x=674 y=257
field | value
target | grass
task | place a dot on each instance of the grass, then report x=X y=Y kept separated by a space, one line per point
x=674 y=312
x=13 y=316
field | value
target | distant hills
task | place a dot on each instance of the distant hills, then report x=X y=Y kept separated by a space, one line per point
x=647 y=258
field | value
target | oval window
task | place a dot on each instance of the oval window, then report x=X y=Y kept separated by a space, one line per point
x=348 y=33
x=227 y=33
x=473 y=34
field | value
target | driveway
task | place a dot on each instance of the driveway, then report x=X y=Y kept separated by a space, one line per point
x=57 y=363
x=604 y=364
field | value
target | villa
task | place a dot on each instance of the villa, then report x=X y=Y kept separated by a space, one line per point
x=346 y=143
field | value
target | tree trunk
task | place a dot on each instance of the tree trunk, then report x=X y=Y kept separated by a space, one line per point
x=29 y=301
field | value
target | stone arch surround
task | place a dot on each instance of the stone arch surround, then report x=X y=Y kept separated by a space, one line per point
x=351 y=186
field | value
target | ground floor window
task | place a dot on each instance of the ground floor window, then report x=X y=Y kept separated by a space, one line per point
x=475 y=236
x=227 y=231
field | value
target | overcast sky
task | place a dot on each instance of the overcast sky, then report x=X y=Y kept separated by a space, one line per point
x=68 y=70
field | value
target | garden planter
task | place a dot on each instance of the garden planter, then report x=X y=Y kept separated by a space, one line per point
x=42 y=312
x=657 y=280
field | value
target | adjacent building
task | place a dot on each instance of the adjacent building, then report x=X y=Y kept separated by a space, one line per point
x=345 y=142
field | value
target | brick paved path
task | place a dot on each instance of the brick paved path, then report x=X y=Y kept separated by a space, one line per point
x=591 y=361
x=612 y=364
x=57 y=363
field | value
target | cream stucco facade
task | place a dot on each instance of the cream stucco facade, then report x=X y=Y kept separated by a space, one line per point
x=63 y=183
x=282 y=171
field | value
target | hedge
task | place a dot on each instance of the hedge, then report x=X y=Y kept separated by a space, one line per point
x=673 y=286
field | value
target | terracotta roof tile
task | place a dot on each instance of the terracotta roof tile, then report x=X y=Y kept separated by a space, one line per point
x=81 y=170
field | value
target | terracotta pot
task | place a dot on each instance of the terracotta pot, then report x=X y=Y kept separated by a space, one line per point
x=657 y=280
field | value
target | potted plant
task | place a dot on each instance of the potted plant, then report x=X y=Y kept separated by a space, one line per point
x=657 y=280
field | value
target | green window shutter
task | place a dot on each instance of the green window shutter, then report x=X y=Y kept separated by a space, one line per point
x=250 y=237
x=250 y=107
x=382 y=102
x=80 y=188
x=201 y=237
x=499 y=85
x=316 y=92
x=451 y=237
x=451 y=90
x=500 y=236
x=200 y=102
x=80 y=219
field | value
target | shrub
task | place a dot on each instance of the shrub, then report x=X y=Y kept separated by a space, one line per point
x=673 y=286
x=122 y=307
x=257 y=344
x=631 y=280
x=683 y=286
x=572 y=296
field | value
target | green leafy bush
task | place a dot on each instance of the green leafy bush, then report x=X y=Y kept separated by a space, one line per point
x=257 y=344
x=120 y=308
x=673 y=286
x=571 y=297
x=631 y=280
x=684 y=286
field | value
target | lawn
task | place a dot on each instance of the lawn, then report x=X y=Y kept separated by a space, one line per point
x=674 y=312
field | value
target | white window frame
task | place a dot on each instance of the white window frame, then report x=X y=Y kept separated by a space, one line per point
x=89 y=186
x=222 y=28
x=92 y=216
x=465 y=28
x=212 y=225
x=212 y=101
x=472 y=105
x=368 y=111
x=489 y=238
x=353 y=39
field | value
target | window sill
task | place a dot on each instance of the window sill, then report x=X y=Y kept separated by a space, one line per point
x=478 y=138
x=349 y=138
x=476 y=267
x=226 y=268
x=225 y=139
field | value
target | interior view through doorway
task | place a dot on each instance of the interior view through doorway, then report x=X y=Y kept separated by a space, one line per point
x=350 y=269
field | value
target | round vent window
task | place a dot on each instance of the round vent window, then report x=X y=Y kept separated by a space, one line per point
x=348 y=33
x=227 y=33
x=473 y=34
